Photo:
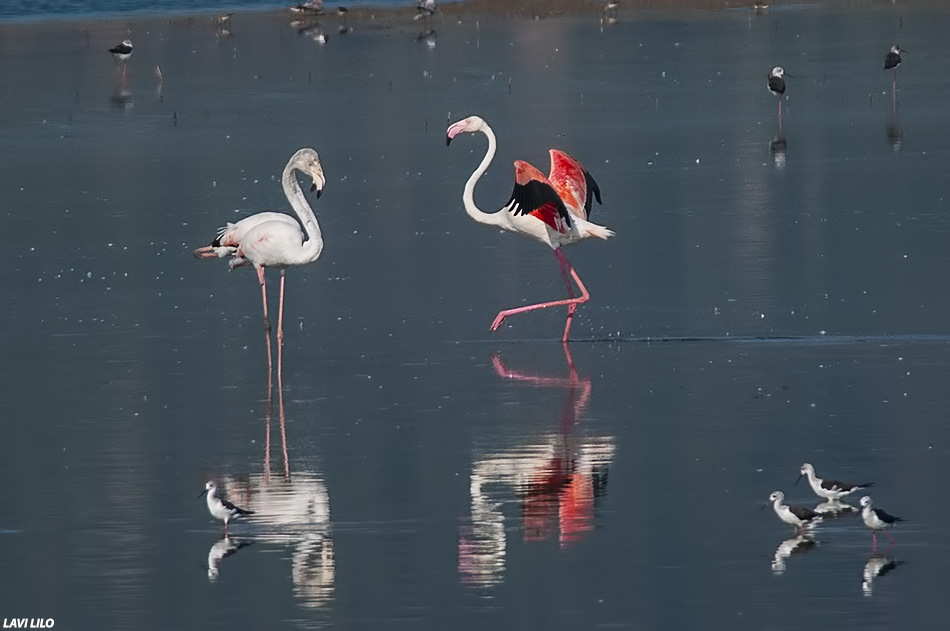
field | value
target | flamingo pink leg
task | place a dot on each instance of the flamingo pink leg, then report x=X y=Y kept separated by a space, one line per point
x=572 y=302
x=260 y=279
x=280 y=330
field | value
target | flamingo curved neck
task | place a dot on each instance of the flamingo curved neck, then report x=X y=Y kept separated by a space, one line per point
x=311 y=248
x=468 y=195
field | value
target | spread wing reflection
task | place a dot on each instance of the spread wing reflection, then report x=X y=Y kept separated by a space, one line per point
x=555 y=479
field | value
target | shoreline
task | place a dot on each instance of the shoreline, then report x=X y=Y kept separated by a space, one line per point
x=531 y=9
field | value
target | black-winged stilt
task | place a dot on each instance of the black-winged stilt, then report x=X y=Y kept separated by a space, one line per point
x=797 y=516
x=828 y=489
x=877 y=519
x=221 y=508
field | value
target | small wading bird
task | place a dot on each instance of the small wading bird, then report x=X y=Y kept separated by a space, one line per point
x=777 y=87
x=221 y=508
x=797 y=516
x=310 y=7
x=892 y=61
x=877 y=519
x=273 y=239
x=832 y=490
x=553 y=210
x=121 y=53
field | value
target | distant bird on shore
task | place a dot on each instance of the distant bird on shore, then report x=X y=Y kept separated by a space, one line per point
x=342 y=12
x=798 y=516
x=892 y=61
x=553 y=209
x=828 y=489
x=121 y=53
x=425 y=9
x=877 y=519
x=610 y=11
x=273 y=239
x=310 y=7
x=221 y=508
x=223 y=24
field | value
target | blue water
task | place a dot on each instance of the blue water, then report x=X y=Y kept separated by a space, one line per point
x=43 y=9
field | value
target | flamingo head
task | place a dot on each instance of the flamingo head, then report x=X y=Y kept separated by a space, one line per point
x=467 y=125
x=308 y=162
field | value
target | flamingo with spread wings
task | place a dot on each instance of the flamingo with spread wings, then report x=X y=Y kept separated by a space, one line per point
x=553 y=209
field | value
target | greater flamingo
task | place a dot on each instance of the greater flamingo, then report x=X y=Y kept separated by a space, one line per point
x=553 y=210
x=273 y=239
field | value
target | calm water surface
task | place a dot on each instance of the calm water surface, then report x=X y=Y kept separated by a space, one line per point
x=768 y=300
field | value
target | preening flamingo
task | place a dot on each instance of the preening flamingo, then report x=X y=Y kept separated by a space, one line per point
x=273 y=239
x=553 y=210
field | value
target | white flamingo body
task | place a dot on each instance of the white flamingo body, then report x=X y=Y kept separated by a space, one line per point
x=551 y=209
x=232 y=235
x=273 y=239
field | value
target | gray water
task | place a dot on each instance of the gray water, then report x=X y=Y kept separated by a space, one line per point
x=763 y=304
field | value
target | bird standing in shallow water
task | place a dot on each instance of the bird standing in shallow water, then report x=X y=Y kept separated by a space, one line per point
x=272 y=239
x=121 y=53
x=777 y=87
x=553 y=210
x=221 y=508
x=797 y=516
x=891 y=62
x=877 y=519
x=832 y=490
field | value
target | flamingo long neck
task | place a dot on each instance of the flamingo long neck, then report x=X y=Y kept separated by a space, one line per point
x=313 y=246
x=468 y=196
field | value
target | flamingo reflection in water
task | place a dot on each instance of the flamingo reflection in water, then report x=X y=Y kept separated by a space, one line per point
x=291 y=509
x=557 y=479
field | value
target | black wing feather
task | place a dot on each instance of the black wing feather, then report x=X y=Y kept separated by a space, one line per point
x=777 y=85
x=240 y=511
x=805 y=514
x=526 y=198
x=886 y=517
x=592 y=189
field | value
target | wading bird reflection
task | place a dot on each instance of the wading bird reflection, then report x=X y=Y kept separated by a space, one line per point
x=553 y=209
x=557 y=480
x=798 y=544
x=222 y=549
x=878 y=565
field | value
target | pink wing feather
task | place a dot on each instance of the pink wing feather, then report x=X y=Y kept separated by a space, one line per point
x=573 y=183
